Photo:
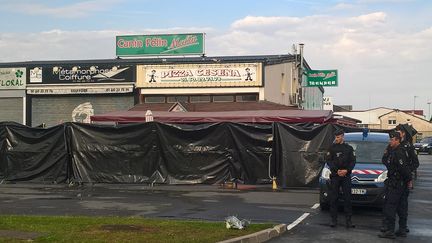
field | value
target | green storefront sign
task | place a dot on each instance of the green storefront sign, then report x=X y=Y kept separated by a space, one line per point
x=12 y=78
x=321 y=78
x=142 y=45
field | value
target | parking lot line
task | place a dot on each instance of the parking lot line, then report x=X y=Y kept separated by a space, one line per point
x=315 y=206
x=297 y=221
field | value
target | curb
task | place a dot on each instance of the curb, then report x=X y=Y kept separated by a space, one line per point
x=260 y=236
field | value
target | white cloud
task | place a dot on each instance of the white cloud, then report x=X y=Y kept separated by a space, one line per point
x=74 y=10
x=384 y=1
x=59 y=44
x=343 y=6
x=375 y=58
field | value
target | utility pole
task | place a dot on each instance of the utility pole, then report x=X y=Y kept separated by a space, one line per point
x=301 y=46
x=430 y=117
x=415 y=96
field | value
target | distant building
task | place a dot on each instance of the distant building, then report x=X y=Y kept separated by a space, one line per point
x=386 y=118
x=394 y=117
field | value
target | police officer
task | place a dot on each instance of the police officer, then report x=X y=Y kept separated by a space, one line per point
x=341 y=161
x=406 y=143
x=413 y=163
x=396 y=184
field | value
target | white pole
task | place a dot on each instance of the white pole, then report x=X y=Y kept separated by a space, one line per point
x=301 y=76
x=430 y=117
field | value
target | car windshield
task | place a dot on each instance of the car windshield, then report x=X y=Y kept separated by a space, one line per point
x=426 y=140
x=367 y=151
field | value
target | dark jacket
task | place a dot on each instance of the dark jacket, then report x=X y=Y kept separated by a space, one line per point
x=341 y=157
x=399 y=171
x=411 y=155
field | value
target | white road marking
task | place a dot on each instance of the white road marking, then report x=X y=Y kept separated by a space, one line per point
x=297 y=221
x=315 y=206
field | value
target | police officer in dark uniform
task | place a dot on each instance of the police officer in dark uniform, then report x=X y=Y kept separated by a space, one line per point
x=396 y=184
x=341 y=160
x=406 y=133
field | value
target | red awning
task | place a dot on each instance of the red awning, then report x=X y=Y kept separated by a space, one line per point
x=256 y=116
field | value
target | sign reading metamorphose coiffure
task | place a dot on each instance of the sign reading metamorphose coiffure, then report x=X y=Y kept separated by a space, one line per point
x=322 y=78
x=12 y=78
x=175 y=44
x=82 y=73
x=200 y=75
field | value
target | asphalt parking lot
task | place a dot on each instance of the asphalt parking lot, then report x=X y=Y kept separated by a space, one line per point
x=368 y=220
x=213 y=203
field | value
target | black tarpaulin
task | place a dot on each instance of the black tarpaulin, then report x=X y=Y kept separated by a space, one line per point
x=33 y=153
x=166 y=153
x=172 y=154
x=213 y=153
x=125 y=154
x=298 y=153
x=3 y=164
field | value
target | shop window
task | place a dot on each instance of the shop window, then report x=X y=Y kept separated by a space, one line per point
x=200 y=99
x=247 y=98
x=154 y=99
x=181 y=98
x=223 y=98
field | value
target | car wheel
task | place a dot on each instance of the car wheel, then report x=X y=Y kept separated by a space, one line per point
x=324 y=206
x=430 y=151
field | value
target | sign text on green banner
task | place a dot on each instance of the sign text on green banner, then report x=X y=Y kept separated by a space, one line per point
x=175 y=44
x=322 y=78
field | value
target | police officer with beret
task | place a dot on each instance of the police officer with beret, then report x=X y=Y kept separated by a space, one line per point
x=396 y=184
x=341 y=160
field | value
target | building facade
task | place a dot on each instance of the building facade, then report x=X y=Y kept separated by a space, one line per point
x=227 y=79
x=394 y=117
x=12 y=94
x=53 y=92
x=72 y=92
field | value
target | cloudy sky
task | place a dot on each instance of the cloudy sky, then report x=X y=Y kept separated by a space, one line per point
x=382 y=48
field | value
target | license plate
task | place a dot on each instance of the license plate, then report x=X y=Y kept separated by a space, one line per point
x=358 y=191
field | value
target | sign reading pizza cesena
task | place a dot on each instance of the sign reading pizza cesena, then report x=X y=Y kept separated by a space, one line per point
x=141 y=45
x=322 y=78
x=12 y=78
x=199 y=75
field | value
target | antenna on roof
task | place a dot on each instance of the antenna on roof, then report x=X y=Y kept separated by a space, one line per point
x=294 y=49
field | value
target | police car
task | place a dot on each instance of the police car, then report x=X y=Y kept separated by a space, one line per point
x=369 y=173
x=425 y=145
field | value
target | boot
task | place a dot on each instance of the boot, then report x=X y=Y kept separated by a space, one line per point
x=387 y=234
x=348 y=222
x=333 y=223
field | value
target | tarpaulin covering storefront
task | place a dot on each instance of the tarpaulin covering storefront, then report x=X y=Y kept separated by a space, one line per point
x=33 y=154
x=299 y=153
x=164 y=153
x=155 y=152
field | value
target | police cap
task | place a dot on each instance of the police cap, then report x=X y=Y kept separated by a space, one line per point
x=394 y=134
x=339 y=132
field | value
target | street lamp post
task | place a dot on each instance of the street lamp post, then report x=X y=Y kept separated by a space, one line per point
x=430 y=117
